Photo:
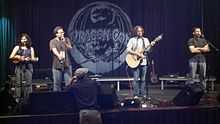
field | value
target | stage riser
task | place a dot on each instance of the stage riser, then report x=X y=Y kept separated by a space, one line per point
x=172 y=115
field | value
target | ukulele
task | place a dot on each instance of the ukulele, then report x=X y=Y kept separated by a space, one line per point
x=19 y=58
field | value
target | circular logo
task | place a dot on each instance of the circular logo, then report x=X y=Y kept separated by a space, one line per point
x=100 y=32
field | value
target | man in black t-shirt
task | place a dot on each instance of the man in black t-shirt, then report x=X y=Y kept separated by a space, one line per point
x=197 y=46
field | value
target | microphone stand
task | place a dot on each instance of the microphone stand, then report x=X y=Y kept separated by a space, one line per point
x=208 y=67
x=213 y=46
x=21 y=73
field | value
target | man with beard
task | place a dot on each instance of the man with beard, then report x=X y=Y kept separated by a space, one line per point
x=197 y=46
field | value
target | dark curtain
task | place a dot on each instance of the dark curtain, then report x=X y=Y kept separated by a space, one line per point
x=174 y=19
x=211 y=28
x=7 y=36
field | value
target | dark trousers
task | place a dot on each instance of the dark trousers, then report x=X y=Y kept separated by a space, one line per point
x=23 y=81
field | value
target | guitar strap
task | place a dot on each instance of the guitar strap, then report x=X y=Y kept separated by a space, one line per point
x=136 y=44
x=143 y=44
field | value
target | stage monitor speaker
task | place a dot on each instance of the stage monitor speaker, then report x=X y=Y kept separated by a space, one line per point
x=189 y=95
x=107 y=98
x=8 y=102
x=51 y=103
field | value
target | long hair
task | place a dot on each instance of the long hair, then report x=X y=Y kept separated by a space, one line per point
x=134 y=30
x=28 y=42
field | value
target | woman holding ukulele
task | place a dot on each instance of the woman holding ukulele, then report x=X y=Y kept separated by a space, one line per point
x=22 y=56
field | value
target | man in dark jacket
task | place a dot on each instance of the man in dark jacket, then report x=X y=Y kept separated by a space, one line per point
x=85 y=92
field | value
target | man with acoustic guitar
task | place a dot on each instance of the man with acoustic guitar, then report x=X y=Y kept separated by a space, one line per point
x=137 y=61
x=22 y=56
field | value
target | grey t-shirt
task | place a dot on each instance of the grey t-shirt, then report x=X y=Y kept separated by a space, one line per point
x=60 y=46
x=199 y=42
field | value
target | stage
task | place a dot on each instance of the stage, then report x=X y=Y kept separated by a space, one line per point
x=161 y=115
x=96 y=36
x=163 y=111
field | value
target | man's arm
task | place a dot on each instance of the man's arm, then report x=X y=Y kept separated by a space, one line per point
x=149 y=45
x=205 y=48
x=54 y=50
x=134 y=53
x=194 y=49
x=13 y=53
x=68 y=43
x=56 y=53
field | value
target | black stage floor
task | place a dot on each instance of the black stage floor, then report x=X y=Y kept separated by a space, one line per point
x=168 y=93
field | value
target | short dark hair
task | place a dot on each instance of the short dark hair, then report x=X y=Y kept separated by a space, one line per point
x=194 y=28
x=56 y=29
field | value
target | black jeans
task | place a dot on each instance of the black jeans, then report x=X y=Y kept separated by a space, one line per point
x=23 y=85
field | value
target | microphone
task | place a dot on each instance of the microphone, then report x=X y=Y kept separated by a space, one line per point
x=62 y=52
x=63 y=38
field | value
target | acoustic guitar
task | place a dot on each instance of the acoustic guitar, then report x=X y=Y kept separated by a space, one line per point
x=133 y=60
x=18 y=59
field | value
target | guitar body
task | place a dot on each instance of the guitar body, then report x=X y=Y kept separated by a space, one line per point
x=132 y=60
x=16 y=61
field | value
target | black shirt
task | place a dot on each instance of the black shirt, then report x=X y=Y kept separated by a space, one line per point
x=86 y=93
x=196 y=42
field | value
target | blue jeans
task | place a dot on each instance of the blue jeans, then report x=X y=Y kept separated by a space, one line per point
x=139 y=86
x=59 y=75
x=194 y=63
